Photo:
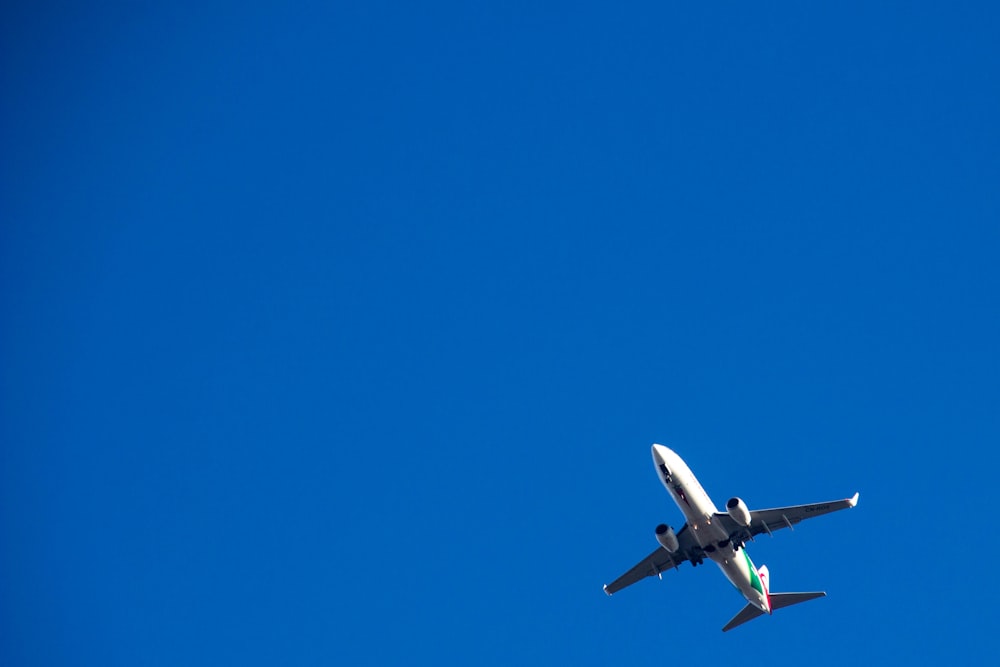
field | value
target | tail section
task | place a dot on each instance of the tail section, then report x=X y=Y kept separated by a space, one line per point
x=782 y=600
x=778 y=601
x=765 y=578
x=748 y=613
x=774 y=601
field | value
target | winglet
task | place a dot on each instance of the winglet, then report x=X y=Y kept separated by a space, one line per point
x=606 y=590
x=853 y=500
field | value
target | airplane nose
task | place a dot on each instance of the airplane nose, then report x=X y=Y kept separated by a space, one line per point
x=657 y=457
x=661 y=456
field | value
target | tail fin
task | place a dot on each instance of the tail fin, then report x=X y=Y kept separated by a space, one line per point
x=778 y=601
x=765 y=578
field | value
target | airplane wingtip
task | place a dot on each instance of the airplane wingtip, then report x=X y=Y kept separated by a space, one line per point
x=606 y=590
x=854 y=499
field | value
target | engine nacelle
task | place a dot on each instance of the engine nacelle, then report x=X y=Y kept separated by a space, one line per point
x=738 y=511
x=667 y=538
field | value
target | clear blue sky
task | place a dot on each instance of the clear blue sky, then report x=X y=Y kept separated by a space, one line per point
x=338 y=333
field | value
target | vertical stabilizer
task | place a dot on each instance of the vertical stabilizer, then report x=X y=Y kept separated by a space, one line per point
x=765 y=578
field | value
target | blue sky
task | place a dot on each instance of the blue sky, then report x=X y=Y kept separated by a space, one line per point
x=338 y=333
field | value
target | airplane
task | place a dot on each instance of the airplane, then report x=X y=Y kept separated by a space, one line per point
x=720 y=536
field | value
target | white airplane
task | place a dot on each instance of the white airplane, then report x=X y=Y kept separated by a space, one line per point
x=720 y=536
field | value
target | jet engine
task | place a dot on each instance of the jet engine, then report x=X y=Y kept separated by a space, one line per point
x=738 y=511
x=667 y=538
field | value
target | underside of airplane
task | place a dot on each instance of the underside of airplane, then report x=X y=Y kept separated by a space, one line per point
x=720 y=537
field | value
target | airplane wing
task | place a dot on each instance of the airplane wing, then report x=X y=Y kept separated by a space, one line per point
x=658 y=561
x=767 y=521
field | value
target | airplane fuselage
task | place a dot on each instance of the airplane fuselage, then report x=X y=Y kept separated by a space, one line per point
x=712 y=537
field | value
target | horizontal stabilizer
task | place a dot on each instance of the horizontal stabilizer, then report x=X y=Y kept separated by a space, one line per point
x=782 y=600
x=778 y=601
x=748 y=613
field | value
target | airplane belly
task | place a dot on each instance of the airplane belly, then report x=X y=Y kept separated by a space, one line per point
x=730 y=567
x=710 y=535
x=742 y=574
